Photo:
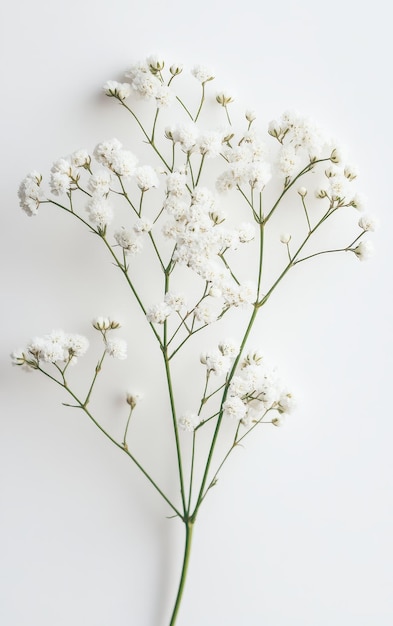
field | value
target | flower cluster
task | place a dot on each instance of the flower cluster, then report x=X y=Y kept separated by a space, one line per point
x=56 y=347
x=256 y=389
x=200 y=218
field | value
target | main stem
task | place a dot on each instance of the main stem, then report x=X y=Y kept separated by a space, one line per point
x=189 y=524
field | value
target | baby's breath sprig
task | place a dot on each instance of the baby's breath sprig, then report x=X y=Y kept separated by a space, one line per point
x=215 y=224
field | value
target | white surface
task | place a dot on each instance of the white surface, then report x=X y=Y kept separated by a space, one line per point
x=298 y=531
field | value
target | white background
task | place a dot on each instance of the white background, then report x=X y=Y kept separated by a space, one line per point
x=298 y=531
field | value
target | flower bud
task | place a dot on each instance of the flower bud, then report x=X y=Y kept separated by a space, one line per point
x=224 y=98
x=176 y=69
x=132 y=399
x=250 y=116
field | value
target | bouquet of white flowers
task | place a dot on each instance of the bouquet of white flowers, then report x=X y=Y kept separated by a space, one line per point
x=220 y=217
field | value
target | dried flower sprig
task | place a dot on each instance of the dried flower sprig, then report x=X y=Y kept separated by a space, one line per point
x=177 y=221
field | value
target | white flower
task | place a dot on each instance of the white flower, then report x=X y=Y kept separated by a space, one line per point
x=77 y=345
x=235 y=408
x=123 y=163
x=210 y=143
x=216 y=362
x=62 y=166
x=259 y=173
x=359 y=201
x=186 y=135
x=146 y=177
x=80 y=158
x=129 y=241
x=133 y=398
x=175 y=301
x=368 y=223
x=202 y=73
x=351 y=172
x=105 y=151
x=246 y=232
x=118 y=90
x=57 y=346
x=285 y=238
x=158 y=313
x=189 y=421
x=100 y=211
x=364 y=250
x=240 y=386
x=99 y=183
x=229 y=347
x=224 y=98
x=164 y=96
x=143 y=225
x=176 y=68
x=105 y=323
x=59 y=183
x=30 y=194
x=155 y=62
x=176 y=183
x=250 y=115
x=146 y=85
x=116 y=348
x=288 y=160
x=286 y=402
x=278 y=420
x=205 y=314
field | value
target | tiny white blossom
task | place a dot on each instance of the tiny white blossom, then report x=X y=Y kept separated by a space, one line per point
x=59 y=183
x=216 y=362
x=118 y=90
x=210 y=143
x=77 y=345
x=80 y=158
x=105 y=323
x=133 y=398
x=188 y=421
x=186 y=135
x=286 y=402
x=158 y=313
x=359 y=201
x=99 y=183
x=175 y=301
x=176 y=183
x=205 y=314
x=146 y=177
x=116 y=348
x=105 y=151
x=235 y=408
x=100 y=211
x=246 y=232
x=30 y=194
x=364 y=250
x=202 y=73
x=368 y=223
x=131 y=242
x=229 y=347
x=123 y=163
x=143 y=225
x=164 y=96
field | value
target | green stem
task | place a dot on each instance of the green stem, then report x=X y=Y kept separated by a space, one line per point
x=306 y=169
x=116 y=443
x=201 y=103
x=221 y=412
x=189 y=524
